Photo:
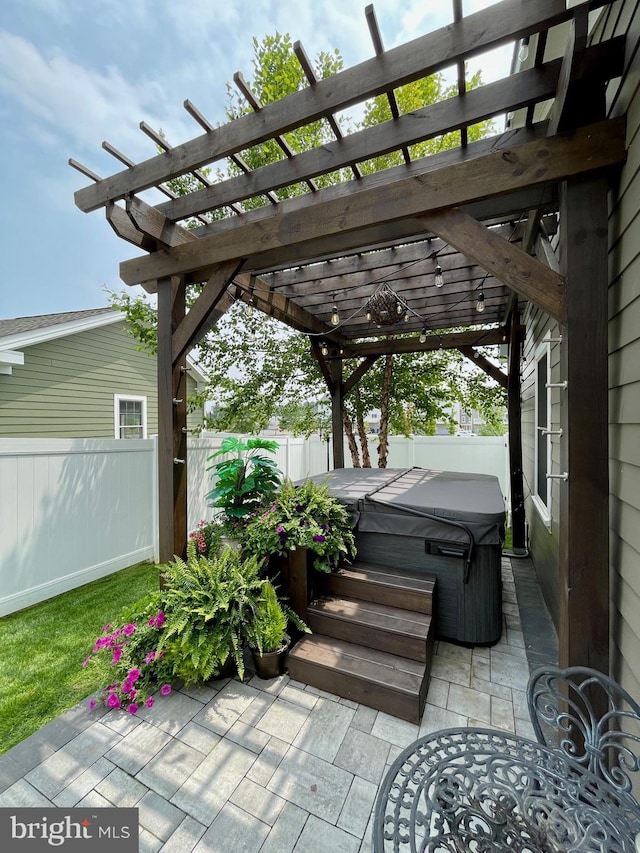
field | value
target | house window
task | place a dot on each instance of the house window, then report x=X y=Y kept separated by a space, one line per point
x=542 y=486
x=130 y=416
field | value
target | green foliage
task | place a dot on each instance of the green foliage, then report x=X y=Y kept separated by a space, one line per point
x=208 y=537
x=303 y=515
x=268 y=633
x=245 y=482
x=210 y=605
x=257 y=367
x=40 y=676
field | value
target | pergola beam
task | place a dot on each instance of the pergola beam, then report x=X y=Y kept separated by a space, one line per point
x=532 y=86
x=532 y=164
x=518 y=270
x=482 y=31
x=453 y=340
x=484 y=364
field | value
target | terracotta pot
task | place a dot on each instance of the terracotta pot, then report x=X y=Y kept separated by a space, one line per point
x=270 y=664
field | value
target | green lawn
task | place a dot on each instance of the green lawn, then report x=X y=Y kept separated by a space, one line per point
x=43 y=648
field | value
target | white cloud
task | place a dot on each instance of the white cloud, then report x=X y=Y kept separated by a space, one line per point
x=84 y=105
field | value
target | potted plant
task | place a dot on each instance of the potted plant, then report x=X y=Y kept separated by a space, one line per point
x=246 y=481
x=210 y=604
x=303 y=515
x=267 y=636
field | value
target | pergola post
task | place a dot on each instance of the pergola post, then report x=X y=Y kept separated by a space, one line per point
x=172 y=423
x=584 y=496
x=515 y=436
x=337 y=404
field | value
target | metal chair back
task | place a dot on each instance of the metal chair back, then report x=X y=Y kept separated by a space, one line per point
x=589 y=718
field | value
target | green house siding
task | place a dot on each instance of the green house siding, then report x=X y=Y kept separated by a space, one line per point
x=66 y=387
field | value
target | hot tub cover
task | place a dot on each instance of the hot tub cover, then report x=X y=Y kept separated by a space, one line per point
x=444 y=505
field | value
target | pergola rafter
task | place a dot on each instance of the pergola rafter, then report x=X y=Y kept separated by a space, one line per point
x=481 y=210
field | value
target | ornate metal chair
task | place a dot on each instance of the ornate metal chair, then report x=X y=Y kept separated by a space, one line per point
x=562 y=706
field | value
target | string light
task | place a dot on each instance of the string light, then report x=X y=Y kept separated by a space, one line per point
x=423 y=336
x=335 y=317
x=324 y=349
x=438 y=280
x=523 y=53
x=480 y=302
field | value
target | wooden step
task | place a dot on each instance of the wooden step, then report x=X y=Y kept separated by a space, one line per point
x=384 y=585
x=395 y=685
x=377 y=626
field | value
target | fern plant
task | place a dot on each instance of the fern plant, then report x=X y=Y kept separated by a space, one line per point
x=210 y=608
x=269 y=630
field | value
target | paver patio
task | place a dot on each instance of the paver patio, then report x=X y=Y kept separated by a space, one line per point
x=267 y=766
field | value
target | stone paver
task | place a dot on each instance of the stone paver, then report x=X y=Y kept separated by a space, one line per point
x=271 y=766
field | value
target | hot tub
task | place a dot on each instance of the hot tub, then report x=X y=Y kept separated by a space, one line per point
x=442 y=523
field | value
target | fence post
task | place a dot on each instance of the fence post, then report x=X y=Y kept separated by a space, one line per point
x=154 y=500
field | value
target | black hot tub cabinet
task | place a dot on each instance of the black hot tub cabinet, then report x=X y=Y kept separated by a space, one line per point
x=442 y=523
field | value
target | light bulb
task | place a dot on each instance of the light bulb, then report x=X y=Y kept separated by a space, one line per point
x=399 y=308
x=406 y=316
x=423 y=336
x=523 y=53
x=438 y=280
x=368 y=315
x=480 y=303
x=249 y=307
x=335 y=317
x=324 y=349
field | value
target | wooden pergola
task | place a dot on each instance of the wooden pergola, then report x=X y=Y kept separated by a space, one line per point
x=483 y=212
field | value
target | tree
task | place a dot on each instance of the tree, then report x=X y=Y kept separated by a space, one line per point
x=257 y=367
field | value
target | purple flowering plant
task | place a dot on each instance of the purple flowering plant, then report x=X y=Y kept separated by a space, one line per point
x=302 y=515
x=134 y=649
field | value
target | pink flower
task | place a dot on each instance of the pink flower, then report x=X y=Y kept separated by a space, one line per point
x=160 y=619
x=113 y=701
x=128 y=629
x=106 y=628
x=149 y=657
x=85 y=662
x=126 y=686
x=165 y=689
x=117 y=654
x=92 y=704
x=149 y=702
x=132 y=708
x=133 y=675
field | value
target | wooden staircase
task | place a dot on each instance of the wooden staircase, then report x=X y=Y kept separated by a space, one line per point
x=372 y=639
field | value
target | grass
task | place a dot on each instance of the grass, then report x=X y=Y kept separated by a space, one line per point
x=43 y=648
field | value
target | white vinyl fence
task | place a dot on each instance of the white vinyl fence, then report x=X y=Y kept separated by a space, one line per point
x=73 y=510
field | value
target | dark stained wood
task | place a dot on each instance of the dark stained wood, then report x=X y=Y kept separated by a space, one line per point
x=124 y=228
x=571 y=64
x=452 y=340
x=377 y=626
x=534 y=85
x=205 y=311
x=316 y=351
x=497 y=25
x=584 y=499
x=172 y=418
x=514 y=407
x=154 y=224
x=484 y=364
x=297 y=580
x=384 y=585
x=506 y=261
x=535 y=163
x=371 y=677
x=337 y=406
x=358 y=373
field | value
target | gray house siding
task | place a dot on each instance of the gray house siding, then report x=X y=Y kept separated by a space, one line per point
x=66 y=387
x=624 y=361
x=623 y=97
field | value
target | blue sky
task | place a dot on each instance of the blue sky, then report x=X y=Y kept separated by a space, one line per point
x=76 y=72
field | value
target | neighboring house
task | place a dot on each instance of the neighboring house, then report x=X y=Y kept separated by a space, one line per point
x=543 y=394
x=79 y=375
